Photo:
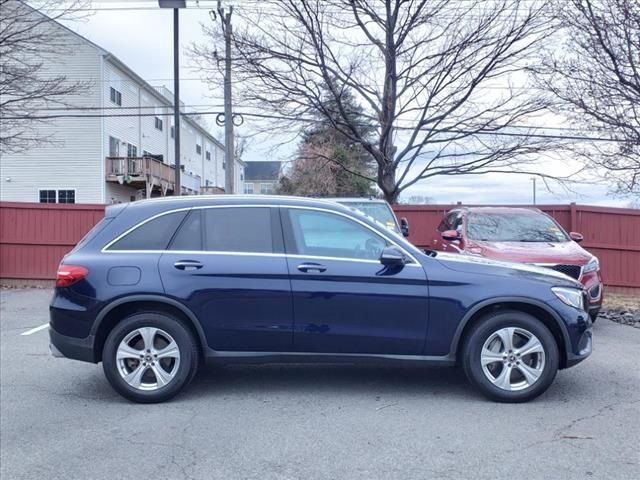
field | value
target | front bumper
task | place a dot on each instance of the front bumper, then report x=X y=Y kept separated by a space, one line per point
x=72 y=347
x=585 y=347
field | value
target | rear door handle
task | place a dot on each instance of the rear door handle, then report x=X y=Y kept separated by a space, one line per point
x=188 y=265
x=311 y=267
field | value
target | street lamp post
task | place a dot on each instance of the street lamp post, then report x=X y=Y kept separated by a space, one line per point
x=176 y=5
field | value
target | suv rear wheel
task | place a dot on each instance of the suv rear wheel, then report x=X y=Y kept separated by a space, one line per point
x=150 y=357
x=510 y=356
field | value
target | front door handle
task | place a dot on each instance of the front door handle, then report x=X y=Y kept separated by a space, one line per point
x=311 y=267
x=188 y=265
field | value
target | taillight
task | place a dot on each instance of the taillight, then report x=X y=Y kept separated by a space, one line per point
x=70 y=274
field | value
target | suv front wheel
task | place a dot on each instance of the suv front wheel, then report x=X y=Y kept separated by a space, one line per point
x=510 y=356
x=150 y=357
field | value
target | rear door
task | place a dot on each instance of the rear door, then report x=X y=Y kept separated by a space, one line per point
x=227 y=265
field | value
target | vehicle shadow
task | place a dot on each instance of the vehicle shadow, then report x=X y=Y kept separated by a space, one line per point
x=328 y=379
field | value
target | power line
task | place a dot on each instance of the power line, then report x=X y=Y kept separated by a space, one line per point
x=311 y=120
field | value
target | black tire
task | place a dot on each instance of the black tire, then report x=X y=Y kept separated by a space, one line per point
x=184 y=372
x=483 y=330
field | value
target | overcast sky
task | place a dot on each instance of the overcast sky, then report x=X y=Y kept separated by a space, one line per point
x=142 y=38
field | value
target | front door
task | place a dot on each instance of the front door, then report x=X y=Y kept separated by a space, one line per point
x=227 y=265
x=344 y=299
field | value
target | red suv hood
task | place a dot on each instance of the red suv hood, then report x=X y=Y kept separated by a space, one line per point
x=568 y=253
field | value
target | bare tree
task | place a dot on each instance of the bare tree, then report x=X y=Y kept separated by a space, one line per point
x=595 y=77
x=436 y=78
x=30 y=37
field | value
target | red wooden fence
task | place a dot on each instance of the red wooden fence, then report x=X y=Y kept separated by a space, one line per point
x=612 y=234
x=34 y=237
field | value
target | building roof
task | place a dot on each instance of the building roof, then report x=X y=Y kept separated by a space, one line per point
x=262 y=171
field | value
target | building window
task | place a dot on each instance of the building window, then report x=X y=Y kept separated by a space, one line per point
x=207 y=154
x=248 y=188
x=114 y=147
x=198 y=149
x=266 y=188
x=47 y=196
x=132 y=151
x=66 y=196
x=173 y=130
x=158 y=123
x=61 y=196
x=115 y=96
x=224 y=165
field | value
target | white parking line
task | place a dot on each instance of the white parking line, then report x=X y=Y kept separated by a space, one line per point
x=34 y=330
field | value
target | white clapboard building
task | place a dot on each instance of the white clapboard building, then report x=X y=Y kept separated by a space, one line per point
x=118 y=146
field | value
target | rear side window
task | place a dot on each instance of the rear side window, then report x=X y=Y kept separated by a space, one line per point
x=189 y=237
x=152 y=235
x=244 y=229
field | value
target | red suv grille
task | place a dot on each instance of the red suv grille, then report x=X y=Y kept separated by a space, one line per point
x=573 y=271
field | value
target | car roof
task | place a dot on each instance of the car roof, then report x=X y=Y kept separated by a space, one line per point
x=168 y=203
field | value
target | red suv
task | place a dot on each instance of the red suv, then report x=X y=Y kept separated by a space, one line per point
x=521 y=235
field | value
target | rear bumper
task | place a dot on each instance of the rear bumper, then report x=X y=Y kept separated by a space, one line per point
x=72 y=347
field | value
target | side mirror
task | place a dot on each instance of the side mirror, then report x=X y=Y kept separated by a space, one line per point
x=392 y=257
x=404 y=226
x=450 y=235
x=576 y=237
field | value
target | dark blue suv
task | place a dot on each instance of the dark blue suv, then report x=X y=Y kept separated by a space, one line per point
x=160 y=286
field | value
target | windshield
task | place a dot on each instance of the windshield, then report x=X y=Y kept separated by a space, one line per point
x=513 y=227
x=379 y=211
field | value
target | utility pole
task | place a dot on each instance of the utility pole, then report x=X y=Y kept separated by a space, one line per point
x=534 y=189
x=227 y=30
x=177 y=189
x=176 y=5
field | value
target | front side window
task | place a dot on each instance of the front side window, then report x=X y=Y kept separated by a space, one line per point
x=379 y=211
x=324 y=234
x=243 y=229
x=513 y=227
x=152 y=235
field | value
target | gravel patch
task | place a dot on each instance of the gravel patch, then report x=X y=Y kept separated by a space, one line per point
x=620 y=315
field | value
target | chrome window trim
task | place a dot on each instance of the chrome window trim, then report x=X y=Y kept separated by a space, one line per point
x=105 y=249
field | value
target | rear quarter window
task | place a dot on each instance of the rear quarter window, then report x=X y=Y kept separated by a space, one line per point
x=238 y=229
x=154 y=234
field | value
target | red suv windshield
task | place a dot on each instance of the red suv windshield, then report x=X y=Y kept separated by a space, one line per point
x=513 y=227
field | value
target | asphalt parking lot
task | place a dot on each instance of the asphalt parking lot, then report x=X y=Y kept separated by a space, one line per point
x=61 y=420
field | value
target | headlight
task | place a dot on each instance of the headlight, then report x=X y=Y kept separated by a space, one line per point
x=570 y=296
x=592 y=266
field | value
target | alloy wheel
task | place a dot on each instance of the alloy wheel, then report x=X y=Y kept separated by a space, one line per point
x=512 y=358
x=148 y=358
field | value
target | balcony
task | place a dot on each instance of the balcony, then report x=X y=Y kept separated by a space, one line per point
x=152 y=175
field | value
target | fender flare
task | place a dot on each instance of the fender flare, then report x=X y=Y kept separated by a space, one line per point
x=455 y=342
x=152 y=298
